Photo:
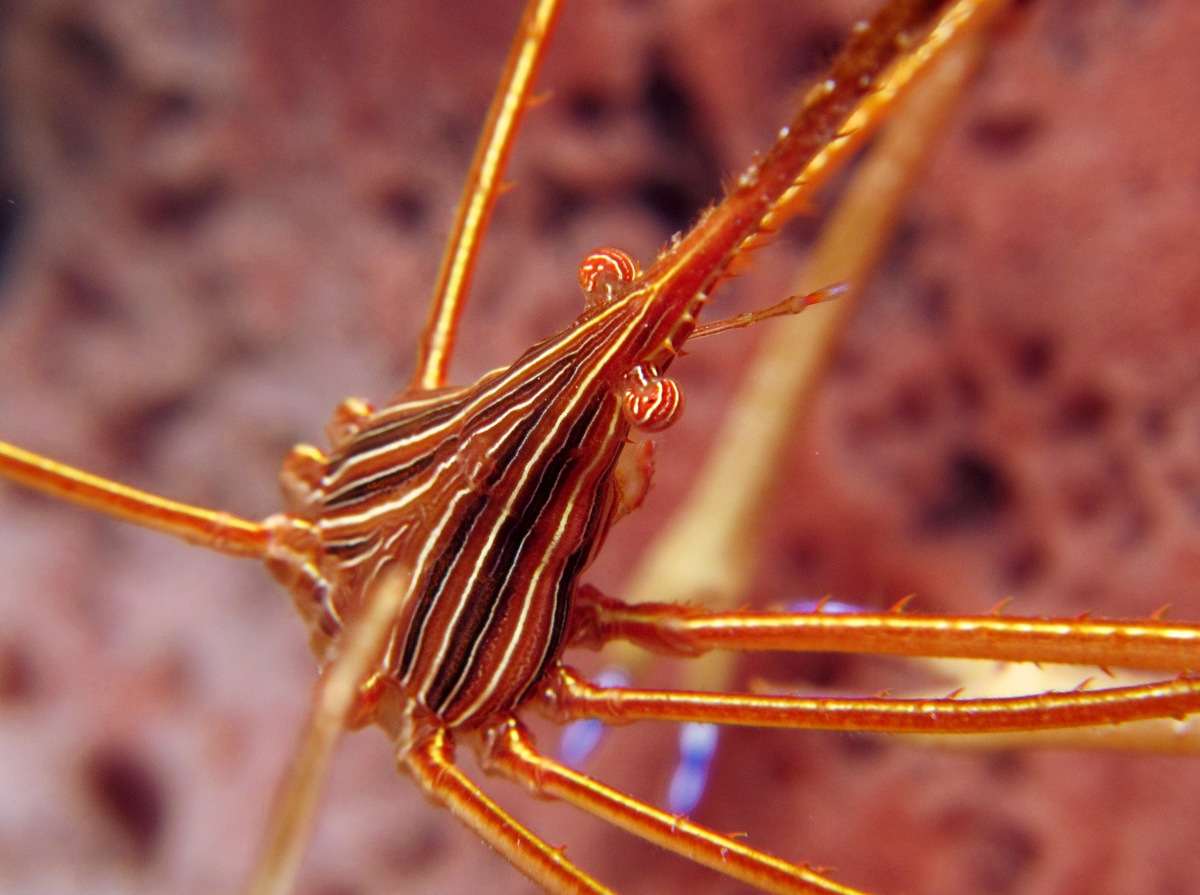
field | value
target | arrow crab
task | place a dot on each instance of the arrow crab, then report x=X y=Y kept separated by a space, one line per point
x=171 y=286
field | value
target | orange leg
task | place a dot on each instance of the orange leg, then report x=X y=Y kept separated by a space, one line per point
x=685 y=630
x=431 y=763
x=688 y=631
x=223 y=532
x=482 y=189
x=511 y=753
x=570 y=698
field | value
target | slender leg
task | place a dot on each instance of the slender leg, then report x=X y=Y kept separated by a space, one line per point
x=686 y=630
x=510 y=752
x=345 y=682
x=789 y=307
x=217 y=531
x=431 y=762
x=569 y=697
x=482 y=188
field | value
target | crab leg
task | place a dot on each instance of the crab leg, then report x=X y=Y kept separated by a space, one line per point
x=673 y=628
x=511 y=753
x=482 y=189
x=569 y=696
x=431 y=763
x=223 y=532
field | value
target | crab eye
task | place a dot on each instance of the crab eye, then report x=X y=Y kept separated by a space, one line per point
x=604 y=272
x=651 y=403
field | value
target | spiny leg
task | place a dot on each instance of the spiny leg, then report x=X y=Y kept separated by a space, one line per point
x=569 y=697
x=510 y=752
x=684 y=630
x=1177 y=736
x=482 y=189
x=430 y=760
x=1151 y=645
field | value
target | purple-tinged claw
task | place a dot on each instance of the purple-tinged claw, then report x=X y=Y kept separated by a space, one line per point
x=580 y=738
x=697 y=745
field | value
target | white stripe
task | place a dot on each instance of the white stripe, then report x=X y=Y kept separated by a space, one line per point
x=567 y=415
x=444 y=646
x=506 y=660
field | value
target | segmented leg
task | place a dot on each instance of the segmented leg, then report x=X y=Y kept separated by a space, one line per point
x=683 y=630
x=569 y=697
x=431 y=763
x=510 y=751
x=671 y=628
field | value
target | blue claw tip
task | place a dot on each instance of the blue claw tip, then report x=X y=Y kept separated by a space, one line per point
x=830 y=607
x=697 y=745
